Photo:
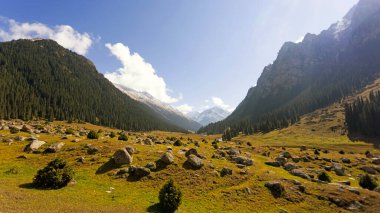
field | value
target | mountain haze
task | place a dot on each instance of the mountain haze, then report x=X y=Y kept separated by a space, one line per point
x=208 y=116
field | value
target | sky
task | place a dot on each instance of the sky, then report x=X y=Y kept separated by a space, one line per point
x=191 y=54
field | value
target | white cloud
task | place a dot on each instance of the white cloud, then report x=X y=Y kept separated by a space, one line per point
x=184 y=108
x=137 y=74
x=64 y=35
x=220 y=103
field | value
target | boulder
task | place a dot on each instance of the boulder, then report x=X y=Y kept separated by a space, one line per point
x=34 y=146
x=148 y=141
x=225 y=171
x=233 y=151
x=193 y=151
x=369 y=170
x=121 y=157
x=27 y=128
x=376 y=161
x=290 y=166
x=151 y=165
x=167 y=158
x=54 y=148
x=338 y=169
x=243 y=160
x=92 y=150
x=285 y=155
x=130 y=150
x=138 y=172
x=20 y=138
x=276 y=188
x=281 y=160
x=300 y=173
x=273 y=163
x=346 y=160
x=195 y=161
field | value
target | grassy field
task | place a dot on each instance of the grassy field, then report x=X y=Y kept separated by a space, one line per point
x=100 y=190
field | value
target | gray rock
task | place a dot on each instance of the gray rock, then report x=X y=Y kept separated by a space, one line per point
x=193 y=151
x=233 y=151
x=300 y=173
x=376 y=161
x=122 y=157
x=195 y=161
x=338 y=169
x=138 y=172
x=285 y=155
x=273 y=163
x=34 y=146
x=151 y=165
x=130 y=150
x=276 y=188
x=225 y=171
x=369 y=170
x=377 y=189
x=27 y=128
x=148 y=141
x=54 y=148
x=290 y=166
x=167 y=158
x=281 y=160
x=346 y=160
x=243 y=160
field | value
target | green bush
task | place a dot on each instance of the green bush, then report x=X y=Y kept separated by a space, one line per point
x=123 y=137
x=112 y=134
x=55 y=175
x=323 y=176
x=368 y=182
x=93 y=135
x=178 y=143
x=170 y=197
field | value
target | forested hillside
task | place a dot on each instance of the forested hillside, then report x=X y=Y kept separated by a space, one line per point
x=41 y=79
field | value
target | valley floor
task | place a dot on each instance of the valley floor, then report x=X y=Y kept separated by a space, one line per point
x=97 y=188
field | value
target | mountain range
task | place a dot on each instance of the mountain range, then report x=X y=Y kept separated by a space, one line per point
x=208 y=116
x=313 y=73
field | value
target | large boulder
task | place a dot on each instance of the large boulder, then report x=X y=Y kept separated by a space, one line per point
x=273 y=163
x=285 y=155
x=233 y=151
x=193 y=151
x=54 y=148
x=243 y=160
x=148 y=141
x=138 y=172
x=300 y=173
x=290 y=166
x=130 y=150
x=338 y=169
x=167 y=158
x=376 y=161
x=27 y=129
x=225 y=171
x=194 y=161
x=281 y=160
x=34 y=146
x=276 y=188
x=122 y=157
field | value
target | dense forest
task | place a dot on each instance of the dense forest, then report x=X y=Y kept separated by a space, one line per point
x=363 y=116
x=42 y=80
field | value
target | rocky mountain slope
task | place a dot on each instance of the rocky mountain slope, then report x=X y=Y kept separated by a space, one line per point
x=314 y=73
x=165 y=110
x=210 y=115
x=41 y=79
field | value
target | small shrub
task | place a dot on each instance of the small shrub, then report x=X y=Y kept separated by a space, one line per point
x=170 y=197
x=55 y=175
x=323 y=176
x=178 y=143
x=123 y=137
x=112 y=135
x=93 y=135
x=368 y=182
x=14 y=130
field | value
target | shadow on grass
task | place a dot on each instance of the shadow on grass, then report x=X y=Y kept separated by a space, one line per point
x=106 y=167
x=154 y=208
x=374 y=140
x=27 y=186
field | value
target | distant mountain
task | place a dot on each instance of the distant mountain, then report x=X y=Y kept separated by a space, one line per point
x=209 y=116
x=165 y=110
x=41 y=79
x=313 y=73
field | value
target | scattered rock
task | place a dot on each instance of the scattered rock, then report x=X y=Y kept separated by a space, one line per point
x=243 y=160
x=92 y=150
x=122 y=171
x=81 y=160
x=376 y=161
x=195 y=161
x=369 y=170
x=300 y=173
x=148 y=141
x=276 y=188
x=151 y=166
x=346 y=160
x=354 y=190
x=193 y=151
x=54 y=148
x=130 y=150
x=138 y=172
x=273 y=163
x=233 y=151
x=20 y=138
x=377 y=189
x=225 y=171
x=281 y=160
x=34 y=146
x=345 y=182
x=167 y=158
x=121 y=157
x=290 y=166
x=338 y=168
x=286 y=155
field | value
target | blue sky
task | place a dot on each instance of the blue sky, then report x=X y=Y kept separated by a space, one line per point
x=194 y=54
